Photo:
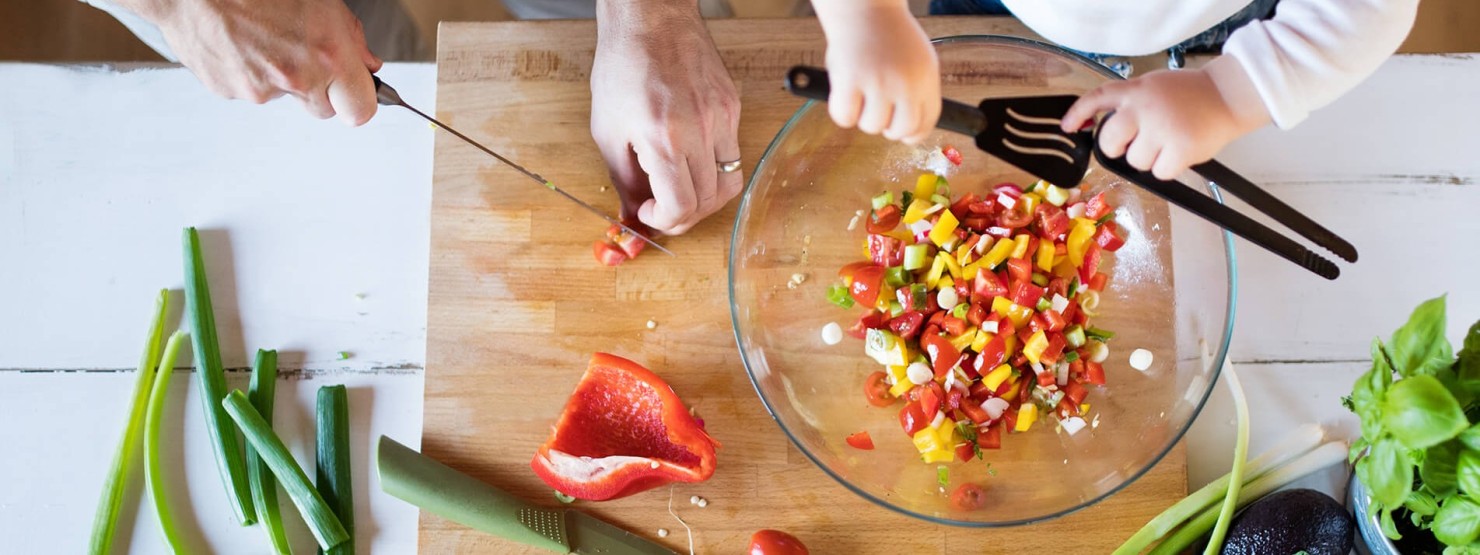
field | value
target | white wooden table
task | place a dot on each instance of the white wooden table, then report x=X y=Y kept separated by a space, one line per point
x=100 y=170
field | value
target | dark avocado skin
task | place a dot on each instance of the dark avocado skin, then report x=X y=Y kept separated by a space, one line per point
x=1288 y=522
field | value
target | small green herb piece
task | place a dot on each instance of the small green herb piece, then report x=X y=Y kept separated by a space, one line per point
x=940 y=199
x=991 y=471
x=896 y=276
x=942 y=187
x=334 y=481
x=344 y=355
x=1071 y=356
x=326 y=527
x=211 y=375
x=1105 y=218
x=1073 y=287
x=154 y=478
x=883 y=199
x=261 y=393
x=838 y=295
x=106 y=519
x=1074 y=336
x=905 y=198
x=942 y=476
x=1099 y=334
x=1043 y=305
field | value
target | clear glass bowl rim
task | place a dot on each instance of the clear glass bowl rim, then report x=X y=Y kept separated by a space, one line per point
x=1219 y=357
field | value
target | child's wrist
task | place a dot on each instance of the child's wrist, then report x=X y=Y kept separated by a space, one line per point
x=1239 y=93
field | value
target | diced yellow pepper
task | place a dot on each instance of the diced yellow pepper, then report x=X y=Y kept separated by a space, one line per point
x=945 y=228
x=946 y=433
x=969 y=271
x=1055 y=195
x=961 y=342
x=1019 y=315
x=900 y=373
x=1033 y=349
x=980 y=341
x=1064 y=268
x=902 y=234
x=938 y=456
x=945 y=283
x=916 y=210
x=1045 y=255
x=994 y=379
x=886 y=294
x=951 y=265
x=1000 y=251
x=1009 y=345
x=963 y=255
x=869 y=254
x=1083 y=408
x=902 y=383
x=886 y=348
x=925 y=185
x=1026 y=416
x=1001 y=305
x=1020 y=245
x=1079 y=239
x=927 y=440
x=1029 y=201
x=1012 y=391
x=936 y=269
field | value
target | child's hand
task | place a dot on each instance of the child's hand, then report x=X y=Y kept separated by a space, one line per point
x=885 y=76
x=1165 y=121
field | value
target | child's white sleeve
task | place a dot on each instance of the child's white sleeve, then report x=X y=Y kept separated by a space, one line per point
x=1310 y=53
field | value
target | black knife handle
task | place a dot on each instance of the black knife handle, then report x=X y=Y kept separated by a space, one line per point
x=812 y=82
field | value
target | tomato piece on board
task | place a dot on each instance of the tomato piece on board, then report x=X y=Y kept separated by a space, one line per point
x=884 y=219
x=1094 y=373
x=952 y=154
x=876 y=388
x=1015 y=217
x=1091 y=264
x=861 y=440
x=912 y=419
x=1107 y=238
x=1020 y=270
x=866 y=284
x=775 y=542
x=943 y=356
x=1024 y=293
x=1052 y=221
x=990 y=438
x=932 y=395
x=968 y=497
x=608 y=254
x=1097 y=283
x=974 y=411
x=907 y=325
x=623 y=431
x=1075 y=393
x=847 y=271
x=976 y=314
x=884 y=250
x=1097 y=207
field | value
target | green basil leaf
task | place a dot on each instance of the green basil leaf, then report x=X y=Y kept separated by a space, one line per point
x=1367 y=405
x=1467 y=472
x=1382 y=366
x=1472 y=549
x=1467 y=368
x=1356 y=449
x=1389 y=528
x=1421 y=503
x=1458 y=521
x=1387 y=472
x=1439 y=468
x=1420 y=412
x=1471 y=437
x=1419 y=347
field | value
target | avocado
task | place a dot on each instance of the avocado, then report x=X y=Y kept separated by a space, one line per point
x=1288 y=522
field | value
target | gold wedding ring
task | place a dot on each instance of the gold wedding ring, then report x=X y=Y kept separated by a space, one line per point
x=729 y=167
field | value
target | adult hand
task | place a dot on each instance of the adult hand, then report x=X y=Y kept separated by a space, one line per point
x=258 y=50
x=664 y=112
x=884 y=72
x=1165 y=121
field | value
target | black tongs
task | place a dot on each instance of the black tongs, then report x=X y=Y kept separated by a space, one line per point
x=1024 y=132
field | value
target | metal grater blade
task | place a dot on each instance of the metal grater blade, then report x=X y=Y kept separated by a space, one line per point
x=545 y=522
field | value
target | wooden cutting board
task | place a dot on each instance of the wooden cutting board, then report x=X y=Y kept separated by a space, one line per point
x=517 y=305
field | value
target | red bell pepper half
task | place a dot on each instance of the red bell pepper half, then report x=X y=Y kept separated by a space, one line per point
x=623 y=431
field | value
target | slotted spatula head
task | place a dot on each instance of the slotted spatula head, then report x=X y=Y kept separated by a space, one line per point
x=1024 y=132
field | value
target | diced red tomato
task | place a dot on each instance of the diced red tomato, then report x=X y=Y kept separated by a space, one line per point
x=965 y=452
x=968 y=497
x=952 y=154
x=1097 y=283
x=1097 y=207
x=1094 y=373
x=1005 y=328
x=1020 y=269
x=936 y=318
x=961 y=208
x=608 y=254
x=1058 y=286
x=1009 y=417
x=1091 y=263
x=1054 y=350
x=976 y=314
x=931 y=397
x=912 y=419
x=1014 y=218
x=1107 y=238
x=943 y=356
x=1066 y=408
x=866 y=283
x=876 y=388
x=1052 y=221
x=986 y=286
x=963 y=289
x=1073 y=314
x=1054 y=321
x=953 y=325
x=1076 y=370
x=974 y=411
x=869 y=321
x=954 y=398
x=990 y=438
x=861 y=440
x=885 y=250
x=884 y=219
x=1024 y=293
x=983 y=207
x=1045 y=378
x=976 y=223
x=993 y=353
x=906 y=325
x=1075 y=393
x=848 y=270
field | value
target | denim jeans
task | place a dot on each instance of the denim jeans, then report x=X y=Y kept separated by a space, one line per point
x=1207 y=41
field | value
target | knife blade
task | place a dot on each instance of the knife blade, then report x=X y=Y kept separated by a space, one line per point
x=387 y=96
x=442 y=490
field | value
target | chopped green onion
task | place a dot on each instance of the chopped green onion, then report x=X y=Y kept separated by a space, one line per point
x=942 y=187
x=1240 y=452
x=261 y=392
x=919 y=297
x=838 y=295
x=1071 y=356
x=959 y=311
x=1104 y=218
x=883 y=199
x=1099 y=334
x=563 y=498
x=154 y=478
x=334 y=481
x=1055 y=195
x=896 y=276
x=906 y=197
x=1073 y=287
x=1074 y=336
x=316 y=513
x=940 y=199
x=105 y=521
x=916 y=256
x=942 y=476
x=343 y=355
x=1043 y=305
x=1040 y=280
x=895 y=309
x=212 y=378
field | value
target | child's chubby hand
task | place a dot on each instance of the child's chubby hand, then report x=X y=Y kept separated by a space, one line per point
x=884 y=72
x=1167 y=121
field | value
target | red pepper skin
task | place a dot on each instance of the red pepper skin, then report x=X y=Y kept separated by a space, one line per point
x=620 y=409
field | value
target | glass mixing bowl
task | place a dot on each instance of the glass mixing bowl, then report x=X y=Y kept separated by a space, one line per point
x=1171 y=292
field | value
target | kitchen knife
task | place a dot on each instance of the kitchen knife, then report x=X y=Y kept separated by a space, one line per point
x=445 y=492
x=385 y=95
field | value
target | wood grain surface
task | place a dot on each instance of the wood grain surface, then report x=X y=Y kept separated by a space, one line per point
x=517 y=305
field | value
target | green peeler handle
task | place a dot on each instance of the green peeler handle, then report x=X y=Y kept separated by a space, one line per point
x=445 y=492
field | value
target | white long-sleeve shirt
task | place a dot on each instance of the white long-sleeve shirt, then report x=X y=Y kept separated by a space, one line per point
x=1307 y=55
